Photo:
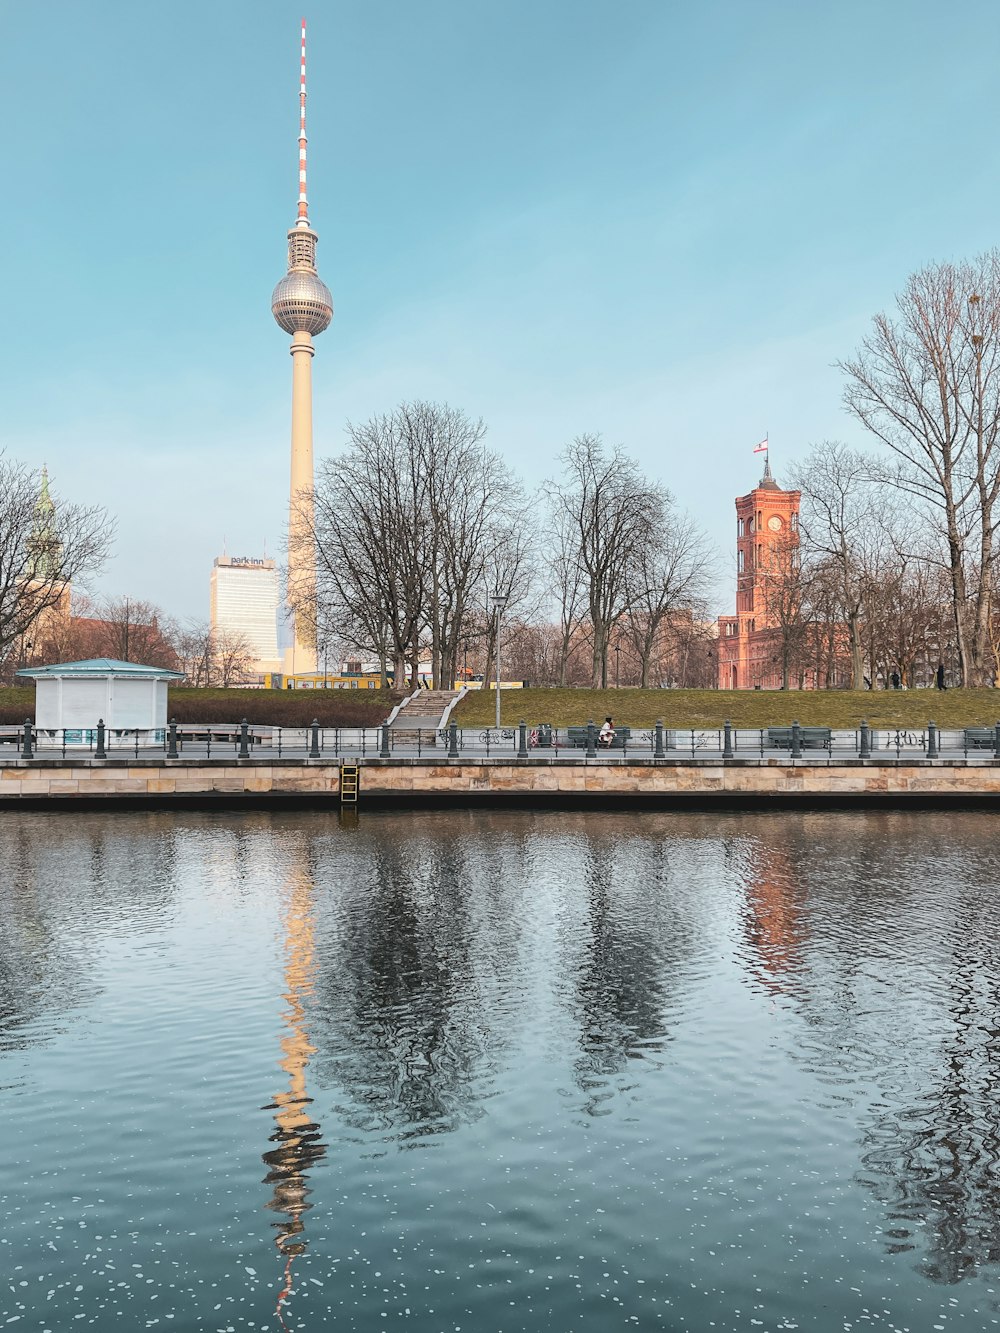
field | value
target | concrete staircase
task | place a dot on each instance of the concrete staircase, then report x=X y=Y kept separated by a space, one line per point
x=424 y=711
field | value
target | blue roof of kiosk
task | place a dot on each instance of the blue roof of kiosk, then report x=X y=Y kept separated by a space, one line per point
x=102 y=666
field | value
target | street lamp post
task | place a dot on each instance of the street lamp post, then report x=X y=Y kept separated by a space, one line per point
x=499 y=601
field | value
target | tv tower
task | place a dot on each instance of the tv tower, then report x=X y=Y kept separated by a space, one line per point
x=302 y=306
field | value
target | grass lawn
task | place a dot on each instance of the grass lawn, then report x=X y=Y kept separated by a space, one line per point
x=744 y=708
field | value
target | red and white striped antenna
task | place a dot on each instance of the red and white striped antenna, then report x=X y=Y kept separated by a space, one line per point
x=303 y=218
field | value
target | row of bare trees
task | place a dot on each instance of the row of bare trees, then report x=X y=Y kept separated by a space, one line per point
x=420 y=530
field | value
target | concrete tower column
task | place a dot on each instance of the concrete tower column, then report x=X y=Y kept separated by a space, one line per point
x=301 y=654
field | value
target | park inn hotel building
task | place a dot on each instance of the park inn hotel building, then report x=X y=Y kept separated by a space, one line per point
x=244 y=599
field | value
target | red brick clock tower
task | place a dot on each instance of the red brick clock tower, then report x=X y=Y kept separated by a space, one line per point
x=767 y=526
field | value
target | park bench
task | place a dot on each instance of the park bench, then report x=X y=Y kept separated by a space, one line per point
x=810 y=738
x=576 y=737
x=979 y=738
x=213 y=733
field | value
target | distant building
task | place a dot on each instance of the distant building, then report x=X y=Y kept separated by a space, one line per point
x=244 y=600
x=767 y=536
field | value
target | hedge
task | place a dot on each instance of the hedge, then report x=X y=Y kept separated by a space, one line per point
x=279 y=708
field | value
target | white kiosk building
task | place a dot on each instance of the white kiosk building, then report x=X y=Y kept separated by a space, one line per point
x=72 y=697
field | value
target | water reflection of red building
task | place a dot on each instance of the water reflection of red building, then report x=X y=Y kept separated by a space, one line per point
x=774 y=921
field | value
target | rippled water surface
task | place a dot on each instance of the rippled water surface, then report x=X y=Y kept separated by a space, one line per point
x=499 y=1071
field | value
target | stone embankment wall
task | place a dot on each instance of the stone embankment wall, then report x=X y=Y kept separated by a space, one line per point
x=48 y=781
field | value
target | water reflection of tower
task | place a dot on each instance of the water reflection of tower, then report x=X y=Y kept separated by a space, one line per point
x=296 y=1136
x=302 y=305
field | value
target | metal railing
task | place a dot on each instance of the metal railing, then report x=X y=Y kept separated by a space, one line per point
x=249 y=741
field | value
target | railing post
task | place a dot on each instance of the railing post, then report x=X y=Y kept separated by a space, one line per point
x=314 y=739
x=26 y=747
x=453 y=740
x=658 y=751
x=796 y=741
x=522 y=739
x=865 y=752
x=727 y=748
x=996 y=741
x=591 y=747
x=244 y=751
x=172 y=739
x=100 y=752
x=933 y=748
x=383 y=752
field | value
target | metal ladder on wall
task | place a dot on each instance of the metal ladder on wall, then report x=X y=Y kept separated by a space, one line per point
x=349 y=781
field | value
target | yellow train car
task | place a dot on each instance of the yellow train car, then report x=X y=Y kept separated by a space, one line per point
x=316 y=680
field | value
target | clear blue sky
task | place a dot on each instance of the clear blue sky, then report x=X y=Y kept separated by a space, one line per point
x=661 y=222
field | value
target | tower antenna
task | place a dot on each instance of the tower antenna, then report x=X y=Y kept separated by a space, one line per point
x=303 y=218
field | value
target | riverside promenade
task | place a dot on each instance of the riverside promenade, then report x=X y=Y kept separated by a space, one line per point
x=699 y=768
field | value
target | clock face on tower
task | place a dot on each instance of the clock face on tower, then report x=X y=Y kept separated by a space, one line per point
x=774 y=523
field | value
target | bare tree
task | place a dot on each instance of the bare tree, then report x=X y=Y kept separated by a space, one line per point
x=472 y=501
x=135 y=631
x=509 y=572
x=232 y=656
x=843 y=526
x=671 y=572
x=370 y=536
x=194 y=647
x=785 y=587
x=613 y=510
x=45 y=546
x=927 y=384
x=564 y=566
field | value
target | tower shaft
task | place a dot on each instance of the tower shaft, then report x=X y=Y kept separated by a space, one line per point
x=301 y=654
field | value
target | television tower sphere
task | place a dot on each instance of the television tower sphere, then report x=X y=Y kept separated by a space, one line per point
x=301 y=303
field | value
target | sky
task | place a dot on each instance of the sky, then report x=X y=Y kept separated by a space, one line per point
x=664 y=223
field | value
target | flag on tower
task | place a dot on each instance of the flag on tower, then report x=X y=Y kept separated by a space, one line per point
x=762 y=447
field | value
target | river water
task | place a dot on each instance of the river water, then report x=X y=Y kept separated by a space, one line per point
x=473 y=1072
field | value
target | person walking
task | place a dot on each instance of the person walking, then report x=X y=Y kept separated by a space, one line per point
x=607 y=735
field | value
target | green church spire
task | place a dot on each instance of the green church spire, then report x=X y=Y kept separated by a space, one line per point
x=44 y=545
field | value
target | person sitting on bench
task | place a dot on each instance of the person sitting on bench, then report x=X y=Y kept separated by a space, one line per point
x=607 y=736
